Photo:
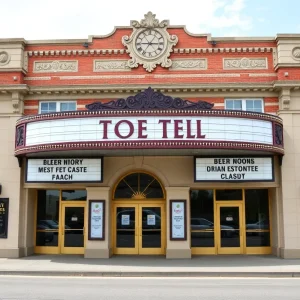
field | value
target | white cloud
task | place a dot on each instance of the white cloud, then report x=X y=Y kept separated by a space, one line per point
x=235 y=6
x=57 y=19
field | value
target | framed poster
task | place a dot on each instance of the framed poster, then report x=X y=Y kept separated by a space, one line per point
x=178 y=220
x=96 y=220
x=3 y=217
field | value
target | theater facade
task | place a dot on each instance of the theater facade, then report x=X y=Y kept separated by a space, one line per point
x=150 y=140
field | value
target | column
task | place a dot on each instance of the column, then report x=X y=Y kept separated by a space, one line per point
x=98 y=249
x=178 y=249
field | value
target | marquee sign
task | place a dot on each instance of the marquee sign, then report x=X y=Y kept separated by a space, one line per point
x=149 y=120
x=234 y=169
x=64 y=170
x=149 y=128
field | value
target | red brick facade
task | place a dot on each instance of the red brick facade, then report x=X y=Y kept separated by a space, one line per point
x=188 y=47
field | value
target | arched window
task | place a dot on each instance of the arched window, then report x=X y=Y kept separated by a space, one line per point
x=139 y=186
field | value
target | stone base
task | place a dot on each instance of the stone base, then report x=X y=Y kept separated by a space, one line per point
x=289 y=253
x=276 y=251
x=97 y=253
x=178 y=253
x=11 y=253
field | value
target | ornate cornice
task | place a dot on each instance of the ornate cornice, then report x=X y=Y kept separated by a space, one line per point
x=97 y=52
x=149 y=99
x=76 y=52
x=23 y=88
x=223 y=50
x=97 y=90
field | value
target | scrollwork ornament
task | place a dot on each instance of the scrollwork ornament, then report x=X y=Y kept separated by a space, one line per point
x=149 y=22
x=150 y=99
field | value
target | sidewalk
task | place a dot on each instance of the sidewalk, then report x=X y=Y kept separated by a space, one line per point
x=210 y=266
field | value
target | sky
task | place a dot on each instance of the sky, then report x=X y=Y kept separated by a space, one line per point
x=77 y=19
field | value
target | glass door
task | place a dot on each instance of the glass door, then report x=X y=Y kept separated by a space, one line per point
x=151 y=229
x=229 y=228
x=139 y=229
x=72 y=237
x=126 y=229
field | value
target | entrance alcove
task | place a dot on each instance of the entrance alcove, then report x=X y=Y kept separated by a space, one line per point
x=138 y=215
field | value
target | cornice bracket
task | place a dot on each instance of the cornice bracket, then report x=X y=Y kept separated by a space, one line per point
x=285 y=98
x=17 y=102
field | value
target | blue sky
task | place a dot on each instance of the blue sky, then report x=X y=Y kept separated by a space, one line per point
x=72 y=19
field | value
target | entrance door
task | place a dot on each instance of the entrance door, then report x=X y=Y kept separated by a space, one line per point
x=72 y=237
x=139 y=229
x=229 y=229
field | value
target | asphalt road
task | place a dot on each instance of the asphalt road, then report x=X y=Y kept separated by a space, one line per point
x=61 y=288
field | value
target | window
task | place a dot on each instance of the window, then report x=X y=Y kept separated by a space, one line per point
x=55 y=106
x=205 y=222
x=255 y=105
x=257 y=218
x=139 y=186
x=202 y=217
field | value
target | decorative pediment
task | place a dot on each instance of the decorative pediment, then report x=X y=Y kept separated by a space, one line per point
x=149 y=99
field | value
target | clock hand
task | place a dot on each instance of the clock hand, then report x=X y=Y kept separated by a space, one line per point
x=147 y=47
x=152 y=39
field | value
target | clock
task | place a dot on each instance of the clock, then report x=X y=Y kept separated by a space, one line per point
x=150 y=43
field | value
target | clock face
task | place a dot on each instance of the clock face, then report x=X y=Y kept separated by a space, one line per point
x=150 y=43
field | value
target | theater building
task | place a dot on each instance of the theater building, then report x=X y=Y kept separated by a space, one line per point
x=150 y=140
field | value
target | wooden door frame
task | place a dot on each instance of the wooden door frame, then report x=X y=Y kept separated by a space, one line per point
x=71 y=250
x=230 y=250
x=130 y=251
x=152 y=251
x=138 y=250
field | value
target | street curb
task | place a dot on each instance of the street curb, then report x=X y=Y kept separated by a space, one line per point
x=150 y=274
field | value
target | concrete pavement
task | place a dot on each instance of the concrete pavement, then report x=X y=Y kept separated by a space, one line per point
x=221 y=265
x=148 y=288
